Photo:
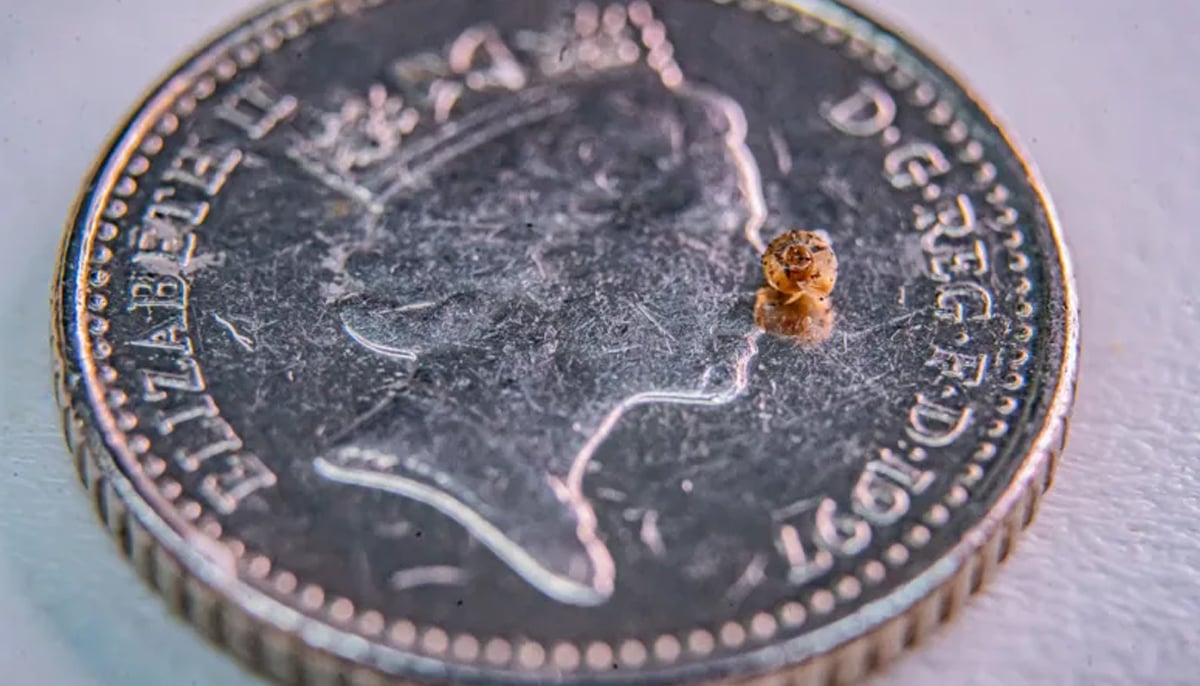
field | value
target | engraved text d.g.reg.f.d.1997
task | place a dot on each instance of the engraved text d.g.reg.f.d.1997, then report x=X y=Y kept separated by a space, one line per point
x=442 y=333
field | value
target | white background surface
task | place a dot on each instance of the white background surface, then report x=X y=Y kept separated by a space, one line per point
x=1105 y=588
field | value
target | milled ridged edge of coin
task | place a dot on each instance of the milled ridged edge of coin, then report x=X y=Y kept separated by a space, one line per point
x=297 y=649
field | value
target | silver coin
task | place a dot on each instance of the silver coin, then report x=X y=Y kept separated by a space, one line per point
x=426 y=340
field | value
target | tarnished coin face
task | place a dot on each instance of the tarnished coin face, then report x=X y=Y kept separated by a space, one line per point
x=418 y=338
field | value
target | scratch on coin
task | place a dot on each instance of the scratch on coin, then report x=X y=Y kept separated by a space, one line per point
x=697 y=245
x=204 y=261
x=783 y=156
x=535 y=256
x=380 y=348
x=434 y=575
x=333 y=181
x=751 y=577
x=883 y=325
x=413 y=307
x=365 y=417
x=610 y=494
x=657 y=324
x=398 y=529
x=839 y=188
x=620 y=349
x=792 y=509
x=650 y=534
x=244 y=341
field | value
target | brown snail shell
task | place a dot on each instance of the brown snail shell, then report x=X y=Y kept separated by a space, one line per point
x=800 y=263
x=800 y=268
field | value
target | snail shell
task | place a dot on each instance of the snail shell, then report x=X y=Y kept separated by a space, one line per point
x=800 y=263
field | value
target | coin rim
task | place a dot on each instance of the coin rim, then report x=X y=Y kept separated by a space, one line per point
x=278 y=640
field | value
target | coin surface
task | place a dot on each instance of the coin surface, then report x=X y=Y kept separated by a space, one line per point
x=417 y=339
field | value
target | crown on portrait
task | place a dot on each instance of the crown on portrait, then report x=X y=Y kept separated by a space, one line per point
x=471 y=84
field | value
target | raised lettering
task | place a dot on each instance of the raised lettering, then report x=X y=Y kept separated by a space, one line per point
x=478 y=59
x=186 y=379
x=365 y=131
x=167 y=421
x=157 y=290
x=901 y=471
x=963 y=302
x=167 y=263
x=802 y=567
x=443 y=96
x=418 y=78
x=954 y=218
x=966 y=368
x=867 y=112
x=203 y=167
x=843 y=534
x=484 y=61
x=934 y=425
x=946 y=264
x=170 y=336
x=256 y=108
x=879 y=500
x=242 y=475
x=164 y=236
x=914 y=165
x=167 y=207
x=225 y=441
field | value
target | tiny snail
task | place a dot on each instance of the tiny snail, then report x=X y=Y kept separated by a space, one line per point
x=800 y=268
x=800 y=263
x=807 y=320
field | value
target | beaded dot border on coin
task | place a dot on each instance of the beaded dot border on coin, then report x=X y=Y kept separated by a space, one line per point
x=523 y=653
